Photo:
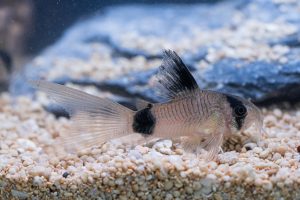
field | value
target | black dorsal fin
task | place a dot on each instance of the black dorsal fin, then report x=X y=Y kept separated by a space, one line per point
x=174 y=78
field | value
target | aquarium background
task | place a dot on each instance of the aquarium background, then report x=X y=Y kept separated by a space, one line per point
x=213 y=37
x=112 y=49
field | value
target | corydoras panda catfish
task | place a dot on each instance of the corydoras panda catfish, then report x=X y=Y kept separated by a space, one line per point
x=204 y=117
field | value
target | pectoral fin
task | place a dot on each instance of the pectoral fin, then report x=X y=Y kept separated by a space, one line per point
x=191 y=144
x=211 y=144
x=209 y=137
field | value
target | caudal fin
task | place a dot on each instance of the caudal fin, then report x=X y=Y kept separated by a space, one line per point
x=96 y=120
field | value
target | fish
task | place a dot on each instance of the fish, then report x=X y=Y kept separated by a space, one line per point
x=204 y=118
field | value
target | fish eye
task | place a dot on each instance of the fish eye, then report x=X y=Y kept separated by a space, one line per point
x=240 y=110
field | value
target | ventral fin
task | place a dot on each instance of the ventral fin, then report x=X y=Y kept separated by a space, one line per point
x=174 y=78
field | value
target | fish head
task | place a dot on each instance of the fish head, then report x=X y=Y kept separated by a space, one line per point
x=245 y=115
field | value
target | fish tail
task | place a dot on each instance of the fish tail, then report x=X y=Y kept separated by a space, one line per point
x=95 y=120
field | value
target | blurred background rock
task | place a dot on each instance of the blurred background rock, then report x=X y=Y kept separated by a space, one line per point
x=117 y=49
x=16 y=18
x=28 y=26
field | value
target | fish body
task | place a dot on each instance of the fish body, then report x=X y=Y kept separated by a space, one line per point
x=188 y=114
x=205 y=118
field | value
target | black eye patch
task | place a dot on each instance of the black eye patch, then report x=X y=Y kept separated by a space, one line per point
x=239 y=111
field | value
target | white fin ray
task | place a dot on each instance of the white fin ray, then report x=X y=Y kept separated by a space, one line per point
x=95 y=120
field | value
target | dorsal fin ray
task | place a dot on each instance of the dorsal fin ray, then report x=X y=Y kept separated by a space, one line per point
x=173 y=78
x=141 y=103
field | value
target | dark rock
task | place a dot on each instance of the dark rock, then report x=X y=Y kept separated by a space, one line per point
x=6 y=59
x=261 y=81
x=291 y=41
x=273 y=77
x=65 y=174
x=5 y=69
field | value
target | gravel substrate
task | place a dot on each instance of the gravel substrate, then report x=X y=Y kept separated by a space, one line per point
x=33 y=166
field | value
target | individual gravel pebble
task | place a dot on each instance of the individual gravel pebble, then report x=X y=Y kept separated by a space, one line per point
x=34 y=166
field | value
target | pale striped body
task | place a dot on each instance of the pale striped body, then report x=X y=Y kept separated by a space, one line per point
x=188 y=115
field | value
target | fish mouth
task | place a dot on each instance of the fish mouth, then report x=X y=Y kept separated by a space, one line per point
x=258 y=134
x=255 y=132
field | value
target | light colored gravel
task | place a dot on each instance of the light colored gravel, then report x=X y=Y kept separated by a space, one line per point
x=248 y=41
x=31 y=167
x=100 y=65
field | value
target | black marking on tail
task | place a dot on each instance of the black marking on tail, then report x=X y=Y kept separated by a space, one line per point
x=239 y=111
x=144 y=121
